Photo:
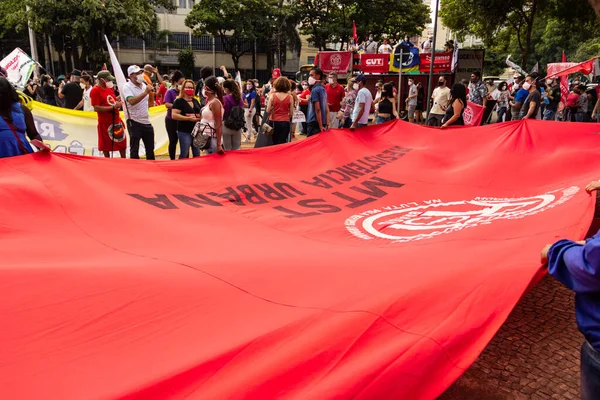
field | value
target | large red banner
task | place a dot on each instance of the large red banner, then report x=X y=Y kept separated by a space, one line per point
x=375 y=63
x=442 y=63
x=372 y=265
x=334 y=61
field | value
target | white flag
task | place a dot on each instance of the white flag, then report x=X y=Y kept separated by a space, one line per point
x=19 y=67
x=117 y=70
x=238 y=79
x=515 y=66
x=455 y=55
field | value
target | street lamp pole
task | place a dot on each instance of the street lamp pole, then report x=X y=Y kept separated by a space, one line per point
x=430 y=84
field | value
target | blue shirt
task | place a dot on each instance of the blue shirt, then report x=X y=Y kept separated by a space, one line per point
x=578 y=268
x=9 y=144
x=249 y=96
x=319 y=94
x=521 y=96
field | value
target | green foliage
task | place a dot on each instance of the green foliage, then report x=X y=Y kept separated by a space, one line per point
x=330 y=21
x=74 y=24
x=186 y=62
x=531 y=30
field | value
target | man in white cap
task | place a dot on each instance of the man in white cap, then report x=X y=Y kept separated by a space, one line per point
x=136 y=94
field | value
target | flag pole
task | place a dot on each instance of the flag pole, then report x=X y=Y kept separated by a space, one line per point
x=400 y=80
x=430 y=84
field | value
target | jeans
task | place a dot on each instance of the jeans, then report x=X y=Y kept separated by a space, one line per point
x=549 y=114
x=590 y=373
x=186 y=140
x=312 y=128
x=142 y=132
x=381 y=120
x=501 y=114
x=232 y=140
x=359 y=125
x=171 y=126
x=281 y=131
x=348 y=123
x=579 y=116
x=304 y=109
x=435 y=119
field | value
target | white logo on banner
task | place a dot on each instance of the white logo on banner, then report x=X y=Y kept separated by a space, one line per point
x=468 y=115
x=336 y=60
x=414 y=221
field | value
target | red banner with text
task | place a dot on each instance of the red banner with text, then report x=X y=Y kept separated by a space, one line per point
x=375 y=63
x=374 y=264
x=334 y=61
x=442 y=63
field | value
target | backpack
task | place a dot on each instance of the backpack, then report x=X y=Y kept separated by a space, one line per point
x=235 y=120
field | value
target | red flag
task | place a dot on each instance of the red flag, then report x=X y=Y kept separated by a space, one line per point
x=354 y=34
x=473 y=114
x=371 y=265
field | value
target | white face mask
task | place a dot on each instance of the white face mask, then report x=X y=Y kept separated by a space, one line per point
x=140 y=78
x=311 y=80
x=249 y=87
x=82 y=85
x=410 y=83
x=527 y=86
x=51 y=81
x=330 y=80
x=355 y=86
x=305 y=87
x=549 y=82
x=110 y=85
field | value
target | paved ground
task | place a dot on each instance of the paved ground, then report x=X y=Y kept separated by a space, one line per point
x=535 y=355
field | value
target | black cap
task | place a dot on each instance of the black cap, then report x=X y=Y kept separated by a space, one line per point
x=361 y=78
x=76 y=72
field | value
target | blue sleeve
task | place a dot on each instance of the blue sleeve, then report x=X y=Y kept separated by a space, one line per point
x=252 y=95
x=521 y=96
x=576 y=266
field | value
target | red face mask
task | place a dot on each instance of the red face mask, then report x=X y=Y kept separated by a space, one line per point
x=189 y=92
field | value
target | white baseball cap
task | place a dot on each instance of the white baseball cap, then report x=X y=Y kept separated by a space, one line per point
x=133 y=69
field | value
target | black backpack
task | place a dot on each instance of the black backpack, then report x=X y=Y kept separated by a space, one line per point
x=235 y=120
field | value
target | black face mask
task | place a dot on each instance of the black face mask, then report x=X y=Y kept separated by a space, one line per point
x=441 y=83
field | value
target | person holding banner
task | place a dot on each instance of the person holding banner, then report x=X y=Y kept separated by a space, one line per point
x=177 y=80
x=136 y=93
x=111 y=133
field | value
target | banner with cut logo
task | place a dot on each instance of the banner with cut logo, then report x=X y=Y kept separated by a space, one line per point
x=339 y=62
x=374 y=264
x=75 y=132
x=19 y=67
x=374 y=63
x=442 y=63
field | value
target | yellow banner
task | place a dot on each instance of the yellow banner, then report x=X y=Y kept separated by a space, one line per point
x=75 y=132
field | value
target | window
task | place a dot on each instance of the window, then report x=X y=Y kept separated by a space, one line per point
x=192 y=2
x=310 y=60
x=182 y=3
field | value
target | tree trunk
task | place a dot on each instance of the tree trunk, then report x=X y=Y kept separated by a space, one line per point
x=596 y=6
x=254 y=59
x=236 y=61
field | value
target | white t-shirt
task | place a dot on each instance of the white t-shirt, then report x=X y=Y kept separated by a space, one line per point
x=385 y=49
x=138 y=112
x=426 y=46
x=441 y=99
x=364 y=96
x=87 y=102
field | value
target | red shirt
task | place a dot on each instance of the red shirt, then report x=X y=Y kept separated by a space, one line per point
x=281 y=108
x=104 y=97
x=304 y=96
x=160 y=96
x=335 y=95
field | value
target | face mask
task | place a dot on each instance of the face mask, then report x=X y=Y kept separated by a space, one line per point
x=311 y=81
x=410 y=83
x=370 y=38
x=355 y=86
x=248 y=87
x=330 y=80
x=441 y=83
x=527 y=86
x=189 y=92
x=51 y=81
x=549 y=82
x=140 y=78
x=82 y=85
x=305 y=87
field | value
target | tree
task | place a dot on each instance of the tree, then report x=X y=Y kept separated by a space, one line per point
x=277 y=29
x=77 y=27
x=233 y=22
x=186 y=62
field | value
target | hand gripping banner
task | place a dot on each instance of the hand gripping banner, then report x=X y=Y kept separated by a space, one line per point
x=369 y=265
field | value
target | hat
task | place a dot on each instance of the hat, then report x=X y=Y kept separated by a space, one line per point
x=60 y=77
x=133 y=69
x=3 y=72
x=276 y=73
x=220 y=80
x=361 y=78
x=76 y=72
x=105 y=75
